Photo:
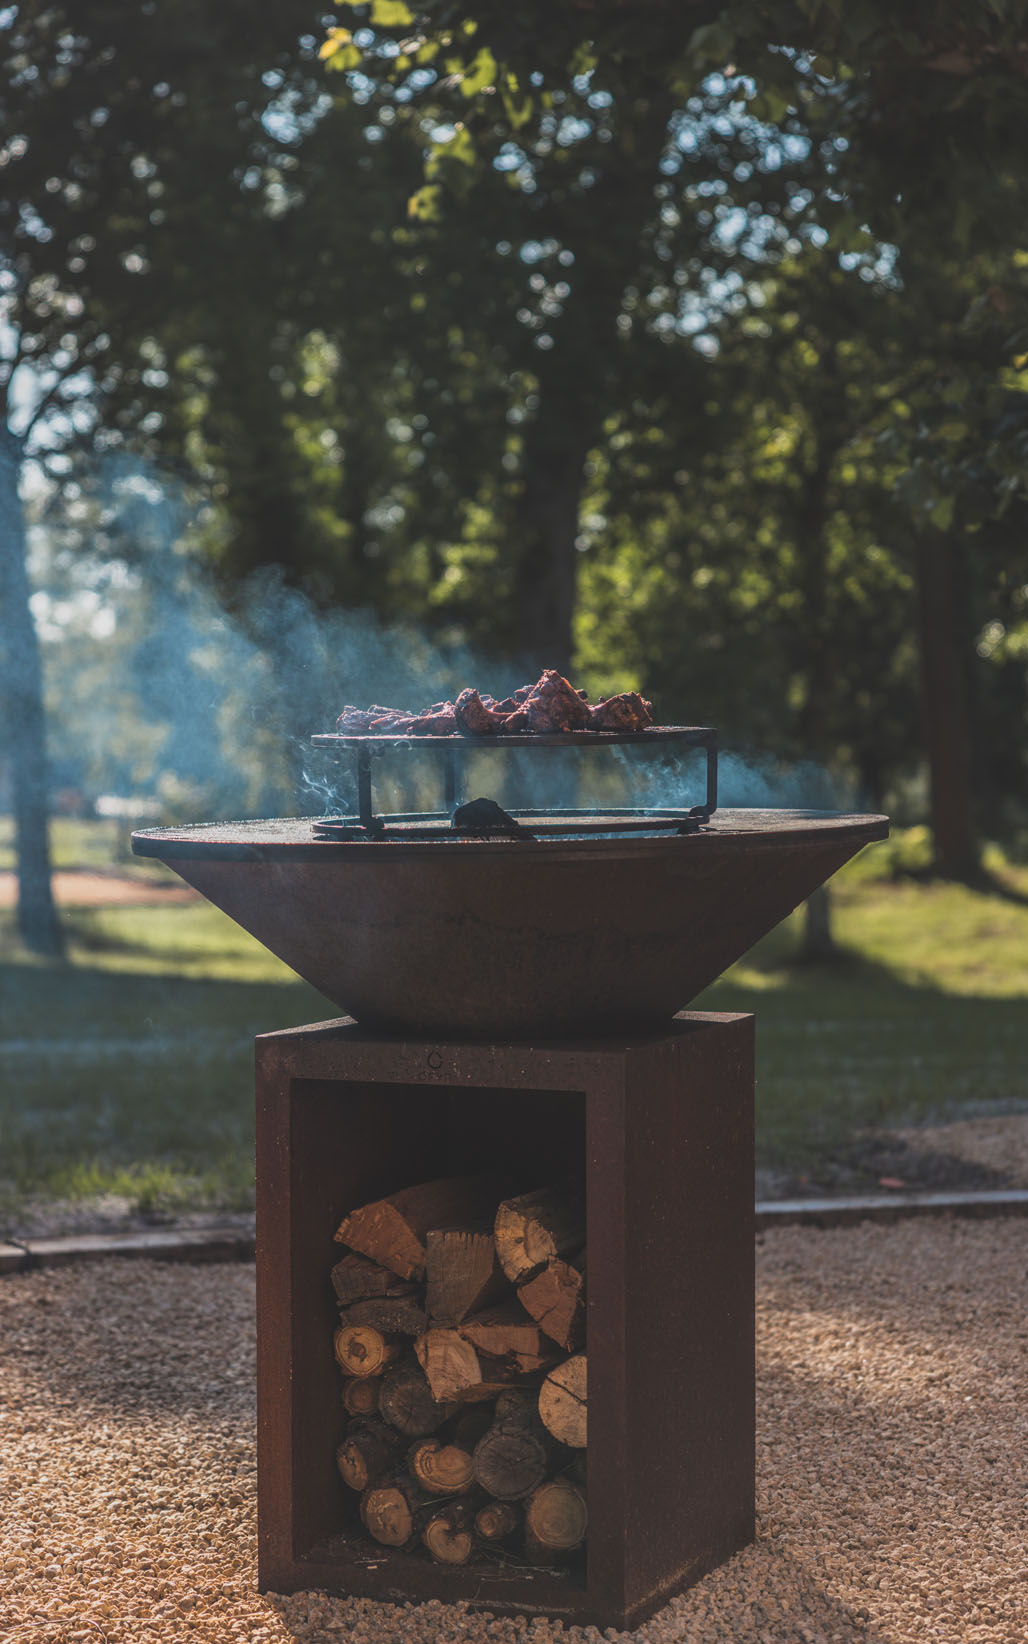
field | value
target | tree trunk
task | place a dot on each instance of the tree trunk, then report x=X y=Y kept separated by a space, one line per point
x=818 y=941
x=24 y=715
x=547 y=525
x=575 y=375
x=945 y=687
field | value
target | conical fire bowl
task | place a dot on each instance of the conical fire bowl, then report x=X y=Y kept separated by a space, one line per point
x=495 y=938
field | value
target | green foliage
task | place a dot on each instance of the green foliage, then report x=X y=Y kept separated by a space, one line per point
x=582 y=316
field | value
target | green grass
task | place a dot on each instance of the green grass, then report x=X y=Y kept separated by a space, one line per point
x=923 y=1017
x=128 y=1070
x=99 y=845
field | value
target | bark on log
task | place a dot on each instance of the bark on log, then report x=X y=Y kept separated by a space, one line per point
x=555 y=1521
x=514 y=1406
x=405 y=1400
x=363 y=1351
x=534 y=1228
x=441 y=1469
x=505 y=1333
x=463 y=1273
x=354 y=1279
x=563 y=1405
x=555 y=1298
x=368 y=1450
x=512 y=1458
x=392 y=1315
x=449 y=1533
x=497 y=1521
x=390 y=1510
x=394 y=1231
x=360 y=1395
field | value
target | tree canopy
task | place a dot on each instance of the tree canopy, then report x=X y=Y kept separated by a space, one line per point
x=682 y=345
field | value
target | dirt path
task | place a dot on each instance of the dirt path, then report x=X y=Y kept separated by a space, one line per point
x=86 y=889
x=891 y=1478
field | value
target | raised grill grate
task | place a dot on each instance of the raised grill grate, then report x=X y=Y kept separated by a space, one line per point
x=529 y=823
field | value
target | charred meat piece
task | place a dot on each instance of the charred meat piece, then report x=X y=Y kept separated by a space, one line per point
x=473 y=717
x=627 y=712
x=356 y=721
x=393 y=723
x=516 y=723
x=550 y=705
x=438 y=721
x=373 y=721
x=555 y=705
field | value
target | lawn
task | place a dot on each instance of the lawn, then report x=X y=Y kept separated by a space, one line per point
x=128 y=1070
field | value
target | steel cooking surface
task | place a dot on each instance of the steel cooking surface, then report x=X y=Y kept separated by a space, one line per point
x=492 y=937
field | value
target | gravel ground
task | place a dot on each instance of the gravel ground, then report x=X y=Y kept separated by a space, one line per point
x=892 y=1461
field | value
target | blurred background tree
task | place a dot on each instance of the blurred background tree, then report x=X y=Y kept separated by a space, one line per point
x=683 y=347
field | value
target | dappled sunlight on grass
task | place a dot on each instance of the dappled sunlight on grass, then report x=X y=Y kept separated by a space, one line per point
x=931 y=934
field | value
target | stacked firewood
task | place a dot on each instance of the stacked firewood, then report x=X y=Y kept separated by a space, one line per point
x=461 y=1343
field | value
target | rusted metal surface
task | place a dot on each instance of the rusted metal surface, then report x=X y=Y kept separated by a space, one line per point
x=662 y=1128
x=491 y=938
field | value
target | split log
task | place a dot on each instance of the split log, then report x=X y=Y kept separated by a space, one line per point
x=533 y=1228
x=364 y=1351
x=360 y=1395
x=463 y=1273
x=368 y=1450
x=441 y=1469
x=504 y=1333
x=555 y=1521
x=457 y=1372
x=450 y=1363
x=392 y=1315
x=512 y=1458
x=354 y=1279
x=487 y=1391
x=406 y=1402
x=497 y=1521
x=563 y=1404
x=391 y=1509
x=394 y=1231
x=555 y=1298
x=449 y=1533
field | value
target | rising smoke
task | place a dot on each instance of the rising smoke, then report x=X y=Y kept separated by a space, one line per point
x=212 y=710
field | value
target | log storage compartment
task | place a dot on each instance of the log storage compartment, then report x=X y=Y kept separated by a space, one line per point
x=656 y=1132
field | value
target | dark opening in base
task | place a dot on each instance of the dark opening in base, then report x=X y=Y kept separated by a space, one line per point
x=661 y=1129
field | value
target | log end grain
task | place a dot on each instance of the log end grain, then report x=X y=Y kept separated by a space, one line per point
x=563 y=1404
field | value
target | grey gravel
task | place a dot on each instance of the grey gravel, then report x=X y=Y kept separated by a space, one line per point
x=892 y=1474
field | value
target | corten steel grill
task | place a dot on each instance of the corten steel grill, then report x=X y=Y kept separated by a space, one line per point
x=518 y=1000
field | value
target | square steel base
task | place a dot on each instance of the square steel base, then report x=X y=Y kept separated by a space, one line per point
x=662 y=1129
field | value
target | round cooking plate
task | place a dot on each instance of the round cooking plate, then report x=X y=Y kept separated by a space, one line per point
x=294 y=838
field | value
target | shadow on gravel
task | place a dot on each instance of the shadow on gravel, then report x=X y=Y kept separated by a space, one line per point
x=763 y=1595
x=164 y=1339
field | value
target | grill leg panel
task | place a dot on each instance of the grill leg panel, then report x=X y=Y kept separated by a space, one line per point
x=664 y=1130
